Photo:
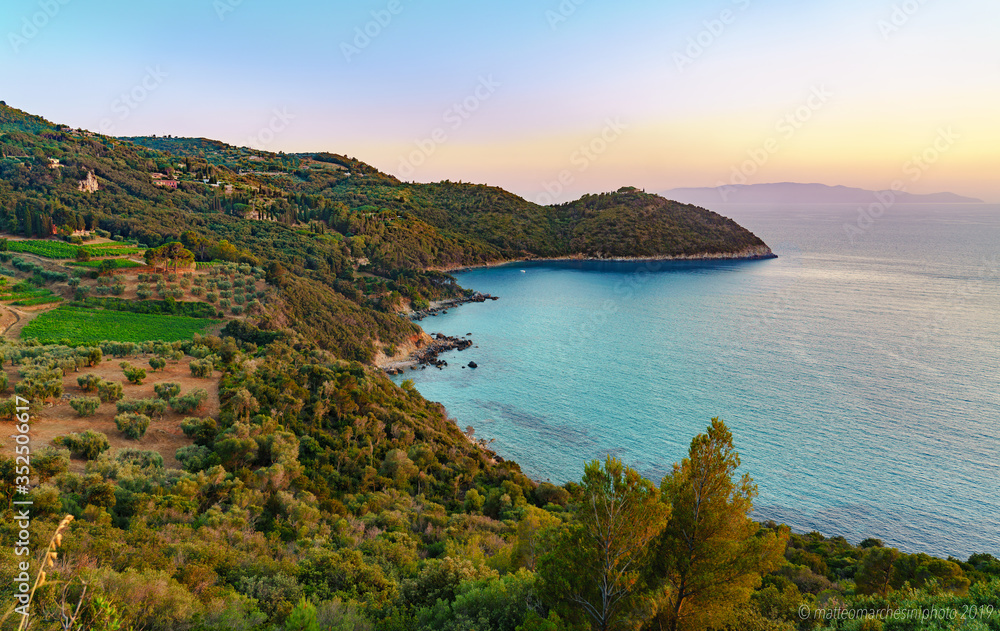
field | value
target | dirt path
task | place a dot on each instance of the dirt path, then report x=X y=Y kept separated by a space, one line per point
x=8 y=318
x=22 y=318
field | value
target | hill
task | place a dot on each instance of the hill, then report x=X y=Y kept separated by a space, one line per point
x=346 y=246
x=251 y=470
x=795 y=193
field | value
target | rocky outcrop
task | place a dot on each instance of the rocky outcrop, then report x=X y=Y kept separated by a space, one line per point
x=444 y=305
x=89 y=185
x=429 y=354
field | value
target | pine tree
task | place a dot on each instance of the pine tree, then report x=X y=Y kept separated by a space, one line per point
x=711 y=555
x=597 y=562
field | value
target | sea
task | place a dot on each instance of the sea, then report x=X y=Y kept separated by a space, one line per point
x=859 y=371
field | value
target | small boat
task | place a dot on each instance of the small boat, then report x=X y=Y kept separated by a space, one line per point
x=523 y=272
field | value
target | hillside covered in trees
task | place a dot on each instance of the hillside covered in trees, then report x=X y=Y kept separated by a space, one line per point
x=353 y=239
x=262 y=475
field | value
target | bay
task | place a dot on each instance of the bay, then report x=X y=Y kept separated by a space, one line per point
x=858 y=371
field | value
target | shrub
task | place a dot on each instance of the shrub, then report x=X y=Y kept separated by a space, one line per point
x=201 y=430
x=85 y=406
x=110 y=391
x=189 y=402
x=88 y=445
x=197 y=291
x=133 y=426
x=236 y=310
x=212 y=296
x=202 y=368
x=157 y=363
x=167 y=390
x=134 y=374
x=193 y=457
x=140 y=458
x=149 y=407
x=89 y=382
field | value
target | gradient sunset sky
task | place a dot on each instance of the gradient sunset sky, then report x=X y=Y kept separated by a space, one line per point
x=661 y=94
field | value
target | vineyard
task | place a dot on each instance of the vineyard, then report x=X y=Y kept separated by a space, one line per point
x=86 y=326
x=61 y=250
x=116 y=264
x=23 y=294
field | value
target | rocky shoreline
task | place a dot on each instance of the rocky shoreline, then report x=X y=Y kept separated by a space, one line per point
x=429 y=355
x=443 y=305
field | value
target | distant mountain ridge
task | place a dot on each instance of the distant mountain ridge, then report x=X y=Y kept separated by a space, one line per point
x=797 y=193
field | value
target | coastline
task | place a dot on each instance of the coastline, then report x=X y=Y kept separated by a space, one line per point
x=423 y=351
x=756 y=253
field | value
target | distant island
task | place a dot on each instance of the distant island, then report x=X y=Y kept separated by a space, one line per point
x=798 y=193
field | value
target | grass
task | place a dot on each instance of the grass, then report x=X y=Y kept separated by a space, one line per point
x=119 y=263
x=23 y=295
x=38 y=300
x=85 y=326
x=61 y=250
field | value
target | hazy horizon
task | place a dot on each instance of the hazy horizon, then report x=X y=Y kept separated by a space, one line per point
x=549 y=101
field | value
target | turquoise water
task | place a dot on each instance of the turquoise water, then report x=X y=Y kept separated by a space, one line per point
x=859 y=373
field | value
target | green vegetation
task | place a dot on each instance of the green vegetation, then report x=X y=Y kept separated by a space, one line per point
x=323 y=492
x=322 y=495
x=166 y=390
x=134 y=374
x=113 y=263
x=50 y=248
x=314 y=221
x=88 y=445
x=93 y=325
x=110 y=391
x=134 y=426
x=188 y=403
x=24 y=293
x=85 y=406
x=150 y=407
x=163 y=307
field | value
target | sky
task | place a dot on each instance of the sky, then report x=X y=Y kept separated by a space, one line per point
x=550 y=99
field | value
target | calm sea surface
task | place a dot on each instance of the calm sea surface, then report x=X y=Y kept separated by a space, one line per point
x=860 y=373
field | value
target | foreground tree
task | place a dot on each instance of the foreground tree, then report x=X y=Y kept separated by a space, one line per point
x=597 y=562
x=711 y=555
